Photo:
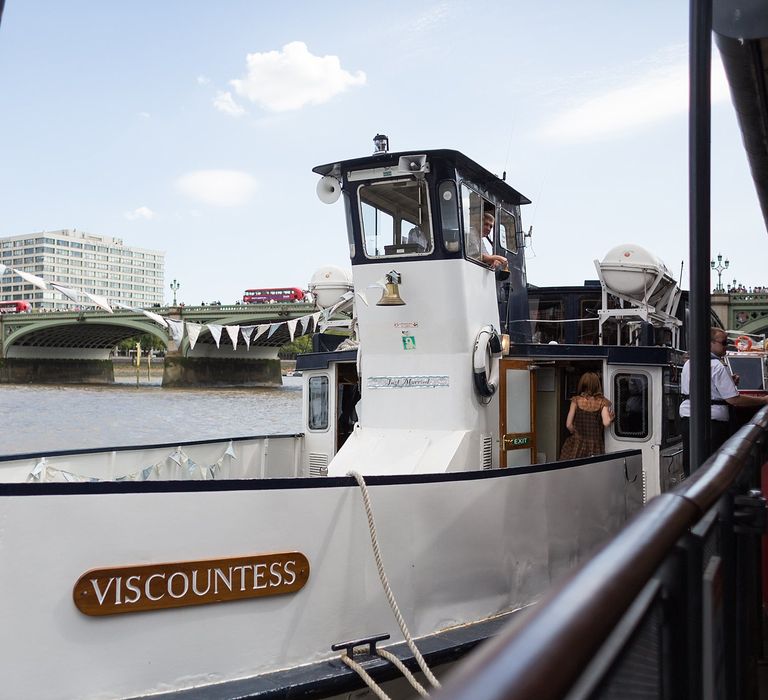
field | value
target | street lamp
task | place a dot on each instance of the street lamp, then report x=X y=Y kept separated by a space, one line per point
x=174 y=288
x=719 y=267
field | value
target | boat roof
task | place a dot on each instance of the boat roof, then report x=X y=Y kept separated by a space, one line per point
x=455 y=158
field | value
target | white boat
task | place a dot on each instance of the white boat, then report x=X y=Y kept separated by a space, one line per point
x=232 y=567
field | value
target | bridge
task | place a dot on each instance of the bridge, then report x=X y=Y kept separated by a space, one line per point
x=745 y=312
x=77 y=346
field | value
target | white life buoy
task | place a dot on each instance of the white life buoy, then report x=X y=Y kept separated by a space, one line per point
x=485 y=361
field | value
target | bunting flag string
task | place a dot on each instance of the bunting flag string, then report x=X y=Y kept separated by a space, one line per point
x=302 y=325
x=185 y=468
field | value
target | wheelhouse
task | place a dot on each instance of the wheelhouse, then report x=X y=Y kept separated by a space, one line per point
x=430 y=206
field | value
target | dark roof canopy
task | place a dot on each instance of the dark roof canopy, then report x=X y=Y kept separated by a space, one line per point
x=458 y=160
x=741 y=35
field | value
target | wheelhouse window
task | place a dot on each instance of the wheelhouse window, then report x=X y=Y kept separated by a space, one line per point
x=631 y=403
x=318 y=403
x=476 y=210
x=395 y=218
x=507 y=231
x=449 y=215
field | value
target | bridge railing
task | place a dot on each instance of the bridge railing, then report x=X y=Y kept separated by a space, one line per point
x=670 y=608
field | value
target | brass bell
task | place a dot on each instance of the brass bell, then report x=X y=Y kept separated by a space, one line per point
x=391 y=294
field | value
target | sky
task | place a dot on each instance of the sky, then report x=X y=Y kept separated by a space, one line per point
x=192 y=127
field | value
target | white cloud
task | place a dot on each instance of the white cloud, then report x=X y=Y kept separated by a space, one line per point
x=224 y=103
x=203 y=80
x=144 y=115
x=292 y=78
x=656 y=94
x=140 y=213
x=221 y=188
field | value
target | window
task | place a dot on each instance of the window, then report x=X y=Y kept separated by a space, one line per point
x=395 y=218
x=589 y=326
x=478 y=213
x=318 y=403
x=630 y=393
x=449 y=215
x=543 y=311
x=507 y=231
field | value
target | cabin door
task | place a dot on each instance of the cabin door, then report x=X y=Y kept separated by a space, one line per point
x=517 y=413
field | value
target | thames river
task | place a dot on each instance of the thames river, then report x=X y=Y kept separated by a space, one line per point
x=45 y=418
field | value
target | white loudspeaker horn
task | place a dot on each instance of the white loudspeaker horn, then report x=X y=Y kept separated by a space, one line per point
x=328 y=189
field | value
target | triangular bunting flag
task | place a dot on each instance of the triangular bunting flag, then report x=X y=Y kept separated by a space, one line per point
x=260 y=330
x=193 y=332
x=101 y=302
x=32 y=279
x=233 y=332
x=176 y=328
x=71 y=294
x=127 y=307
x=215 y=330
x=157 y=318
x=3 y=268
x=292 y=327
x=272 y=328
x=246 y=332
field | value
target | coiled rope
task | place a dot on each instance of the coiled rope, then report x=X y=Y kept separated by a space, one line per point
x=385 y=583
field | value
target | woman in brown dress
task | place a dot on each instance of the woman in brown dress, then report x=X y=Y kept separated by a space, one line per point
x=590 y=413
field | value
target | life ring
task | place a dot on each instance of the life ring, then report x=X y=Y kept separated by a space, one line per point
x=485 y=365
x=743 y=343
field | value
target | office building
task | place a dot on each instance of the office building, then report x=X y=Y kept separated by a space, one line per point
x=82 y=261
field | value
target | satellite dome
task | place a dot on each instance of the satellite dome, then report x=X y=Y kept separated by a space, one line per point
x=329 y=284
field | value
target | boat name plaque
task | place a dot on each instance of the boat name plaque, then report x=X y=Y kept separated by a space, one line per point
x=175 y=585
x=412 y=382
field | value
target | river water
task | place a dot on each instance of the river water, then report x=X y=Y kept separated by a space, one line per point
x=46 y=418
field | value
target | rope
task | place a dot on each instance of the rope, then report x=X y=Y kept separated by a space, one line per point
x=360 y=671
x=389 y=656
x=385 y=582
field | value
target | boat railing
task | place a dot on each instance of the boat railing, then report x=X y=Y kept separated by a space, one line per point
x=673 y=602
x=252 y=457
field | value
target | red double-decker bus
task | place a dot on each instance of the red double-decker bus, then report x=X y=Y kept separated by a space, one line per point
x=278 y=294
x=14 y=307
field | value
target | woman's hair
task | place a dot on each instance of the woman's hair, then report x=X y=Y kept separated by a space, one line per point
x=589 y=384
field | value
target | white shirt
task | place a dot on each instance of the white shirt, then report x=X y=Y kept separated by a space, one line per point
x=721 y=388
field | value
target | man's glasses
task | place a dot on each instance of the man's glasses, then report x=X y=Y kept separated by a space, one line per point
x=720 y=342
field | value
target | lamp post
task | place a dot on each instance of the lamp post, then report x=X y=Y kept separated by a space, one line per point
x=174 y=288
x=719 y=267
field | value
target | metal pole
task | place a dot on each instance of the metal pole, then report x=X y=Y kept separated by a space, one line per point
x=699 y=131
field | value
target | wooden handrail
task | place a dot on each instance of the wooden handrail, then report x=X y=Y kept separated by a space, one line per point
x=542 y=655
